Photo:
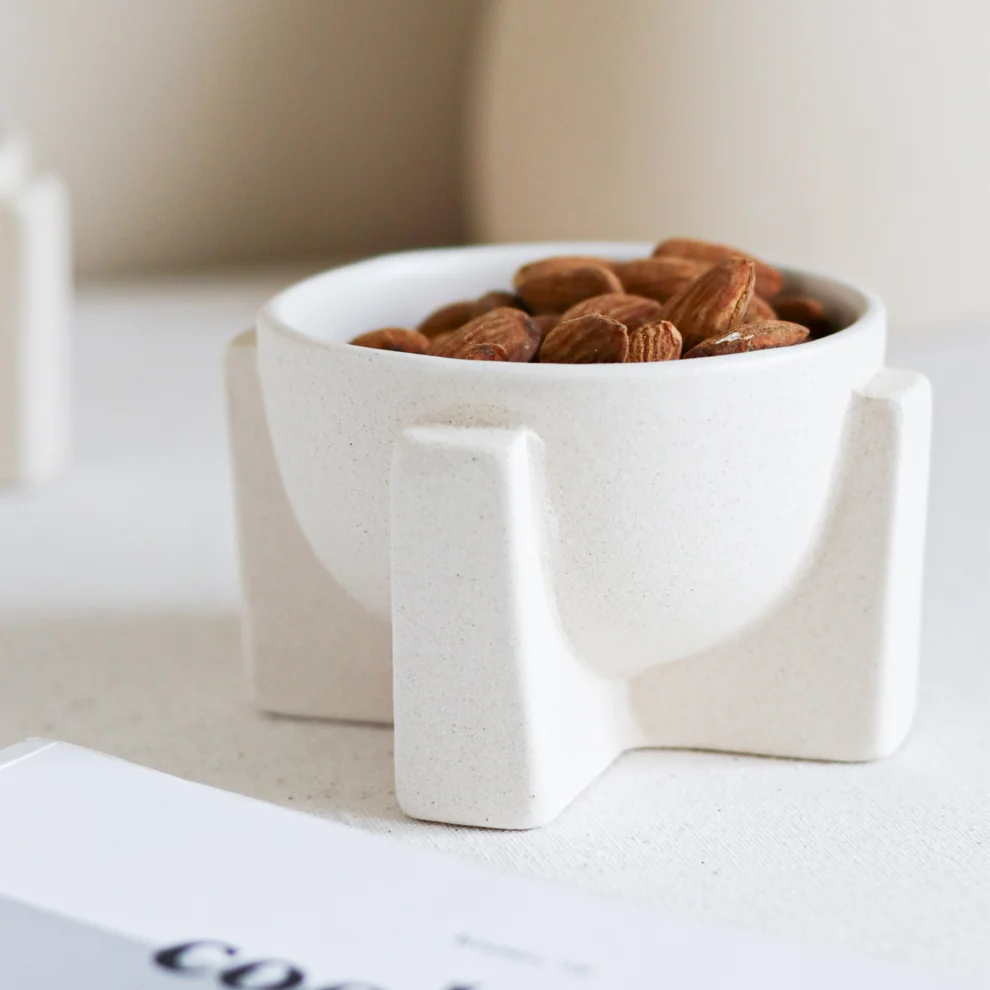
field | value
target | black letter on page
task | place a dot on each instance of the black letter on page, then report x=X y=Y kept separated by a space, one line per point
x=177 y=958
x=244 y=976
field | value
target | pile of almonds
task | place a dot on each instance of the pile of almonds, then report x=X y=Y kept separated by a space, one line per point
x=689 y=299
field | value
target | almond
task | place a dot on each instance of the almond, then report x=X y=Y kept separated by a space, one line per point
x=760 y=309
x=546 y=321
x=769 y=281
x=555 y=264
x=510 y=328
x=632 y=311
x=591 y=339
x=450 y=317
x=393 y=339
x=485 y=352
x=436 y=342
x=751 y=337
x=654 y=342
x=557 y=291
x=808 y=312
x=495 y=300
x=713 y=303
x=455 y=315
x=658 y=278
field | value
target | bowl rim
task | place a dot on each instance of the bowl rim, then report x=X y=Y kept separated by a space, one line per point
x=871 y=319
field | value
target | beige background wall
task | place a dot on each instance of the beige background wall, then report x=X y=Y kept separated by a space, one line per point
x=852 y=135
x=849 y=135
x=217 y=131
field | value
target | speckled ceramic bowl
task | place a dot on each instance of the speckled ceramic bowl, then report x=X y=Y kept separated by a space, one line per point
x=682 y=498
x=533 y=568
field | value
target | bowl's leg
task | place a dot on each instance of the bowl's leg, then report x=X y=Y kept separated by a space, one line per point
x=310 y=649
x=496 y=722
x=831 y=672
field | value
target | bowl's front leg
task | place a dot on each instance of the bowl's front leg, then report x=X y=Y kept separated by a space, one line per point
x=496 y=722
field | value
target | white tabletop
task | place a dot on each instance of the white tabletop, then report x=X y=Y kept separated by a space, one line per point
x=119 y=631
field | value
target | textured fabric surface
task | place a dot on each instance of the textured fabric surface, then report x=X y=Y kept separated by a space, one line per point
x=118 y=630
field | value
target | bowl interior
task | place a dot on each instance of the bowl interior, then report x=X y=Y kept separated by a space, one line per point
x=401 y=289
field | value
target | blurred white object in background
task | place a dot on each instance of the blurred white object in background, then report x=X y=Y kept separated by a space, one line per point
x=847 y=136
x=196 y=133
x=35 y=303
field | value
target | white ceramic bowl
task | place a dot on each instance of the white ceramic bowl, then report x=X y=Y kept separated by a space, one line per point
x=683 y=498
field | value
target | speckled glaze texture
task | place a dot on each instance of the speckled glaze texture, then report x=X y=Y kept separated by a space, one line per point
x=577 y=560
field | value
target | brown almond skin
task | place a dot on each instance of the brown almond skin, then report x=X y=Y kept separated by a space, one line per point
x=714 y=303
x=456 y=314
x=450 y=317
x=494 y=300
x=631 y=311
x=556 y=292
x=760 y=309
x=437 y=342
x=393 y=339
x=806 y=311
x=590 y=339
x=658 y=278
x=751 y=337
x=654 y=342
x=510 y=328
x=769 y=281
x=560 y=262
x=546 y=322
x=485 y=352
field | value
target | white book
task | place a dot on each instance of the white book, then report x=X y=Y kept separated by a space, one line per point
x=113 y=875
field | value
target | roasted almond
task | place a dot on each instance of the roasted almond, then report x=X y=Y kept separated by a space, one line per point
x=546 y=321
x=760 y=309
x=557 y=291
x=769 y=281
x=450 y=317
x=557 y=263
x=591 y=339
x=631 y=311
x=808 y=312
x=511 y=328
x=654 y=342
x=436 y=342
x=494 y=300
x=713 y=303
x=751 y=337
x=658 y=278
x=485 y=352
x=455 y=315
x=393 y=339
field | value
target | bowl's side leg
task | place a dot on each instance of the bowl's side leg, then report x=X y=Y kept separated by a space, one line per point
x=831 y=673
x=310 y=649
x=496 y=722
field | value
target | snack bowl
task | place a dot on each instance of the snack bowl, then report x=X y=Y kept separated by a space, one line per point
x=575 y=560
